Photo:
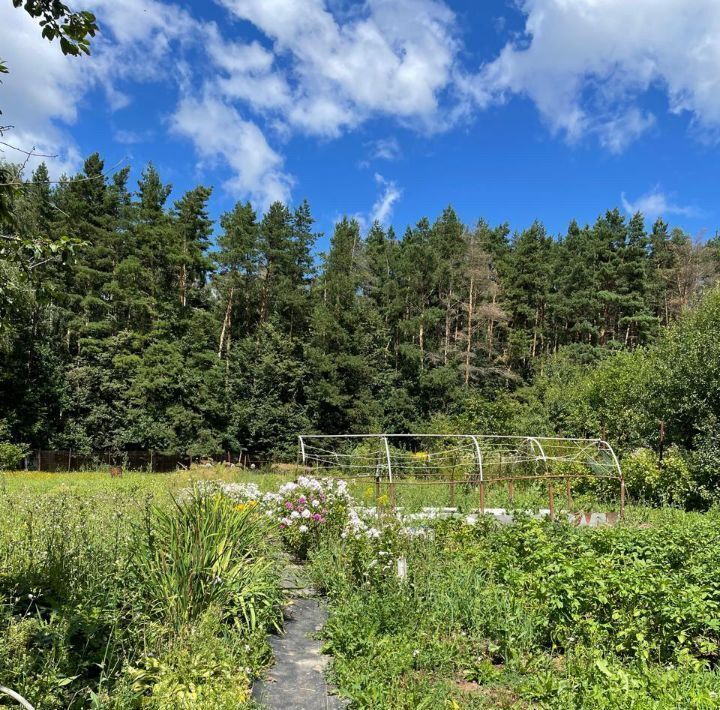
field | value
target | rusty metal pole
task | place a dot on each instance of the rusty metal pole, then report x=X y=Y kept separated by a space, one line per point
x=481 y=486
x=551 y=500
x=568 y=495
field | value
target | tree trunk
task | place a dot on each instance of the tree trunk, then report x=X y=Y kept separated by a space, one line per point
x=264 y=295
x=183 y=285
x=491 y=330
x=447 y=328
x=227 y=322
x=468 y=348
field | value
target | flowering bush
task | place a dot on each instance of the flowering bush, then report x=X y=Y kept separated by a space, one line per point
x=237 y=492
x=307 y=509
x=374 y=547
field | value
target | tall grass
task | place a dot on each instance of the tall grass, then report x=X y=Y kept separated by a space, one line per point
x=104 y=581
x=207 y=551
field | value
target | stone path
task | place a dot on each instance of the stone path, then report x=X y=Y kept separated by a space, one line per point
x=297 y=680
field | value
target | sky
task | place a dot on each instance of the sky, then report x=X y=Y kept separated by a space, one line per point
x=389 y=110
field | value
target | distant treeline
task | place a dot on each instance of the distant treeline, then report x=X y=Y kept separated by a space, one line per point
x=156 y=336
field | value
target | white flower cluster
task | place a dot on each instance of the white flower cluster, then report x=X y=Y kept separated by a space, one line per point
x=238 y=492
x=241 y=492
x=357 y=527
x=326 y=486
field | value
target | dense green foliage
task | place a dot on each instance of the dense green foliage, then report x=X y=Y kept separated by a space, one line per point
x=535 y=614
x=113 y=596
x=659 y=403
x=165 y=331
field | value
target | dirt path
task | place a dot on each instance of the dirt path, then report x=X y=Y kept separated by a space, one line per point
x=297 y=680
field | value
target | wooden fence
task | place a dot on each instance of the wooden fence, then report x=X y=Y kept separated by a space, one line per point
x=136 y=460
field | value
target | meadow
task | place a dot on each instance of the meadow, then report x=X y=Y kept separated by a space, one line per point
x=159 y=591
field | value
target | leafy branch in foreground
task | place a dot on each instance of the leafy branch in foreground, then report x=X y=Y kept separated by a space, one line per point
x=73 y=28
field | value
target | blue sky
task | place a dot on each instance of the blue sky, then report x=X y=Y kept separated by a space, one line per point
x=391 y=109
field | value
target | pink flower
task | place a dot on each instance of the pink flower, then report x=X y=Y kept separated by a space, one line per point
x=289 y=505
x=317 y=516
x=282 y=526
x=302 y=499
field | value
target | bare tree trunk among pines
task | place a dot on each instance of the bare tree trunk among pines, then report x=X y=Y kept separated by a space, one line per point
x=183 y=285
x=491 y=328
x=264 y=296
x=227 y=322
x=468 y=349
x=448 y=325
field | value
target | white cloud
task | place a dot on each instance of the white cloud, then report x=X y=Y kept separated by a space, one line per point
x=656 y=203
x=325 y=67
x=384 y=149
x=584 y=63
x=62 y=158
x=319 y=74
x=220 y=133
x=44 y=89
x=383 y=207
x=248 y=73
x=388 y=57
x=35 y=94
x=139 y=41
x=126 y=137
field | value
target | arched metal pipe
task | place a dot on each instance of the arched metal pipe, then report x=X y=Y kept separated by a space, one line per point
x=478 y=453
x=537 y=443
x=302 y=449
x=387 y=455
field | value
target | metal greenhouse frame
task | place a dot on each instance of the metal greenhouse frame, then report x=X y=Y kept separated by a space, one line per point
x=475 y=459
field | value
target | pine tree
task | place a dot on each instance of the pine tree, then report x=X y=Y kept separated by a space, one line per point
x=238 y=260
x=192 y=229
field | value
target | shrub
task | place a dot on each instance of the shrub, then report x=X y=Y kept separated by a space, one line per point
x=11 y=455
x=204 y=666
x=705 y=467
x=652 y=481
